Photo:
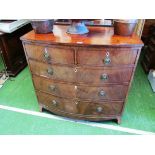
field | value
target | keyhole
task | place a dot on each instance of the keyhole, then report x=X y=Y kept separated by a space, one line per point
x=75 y=87
x=75 y=70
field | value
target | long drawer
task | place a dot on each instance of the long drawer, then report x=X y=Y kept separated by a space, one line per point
x=79 y=107
x=90 y=75
x=50 y=54
x=84 y=92
x=106 y=56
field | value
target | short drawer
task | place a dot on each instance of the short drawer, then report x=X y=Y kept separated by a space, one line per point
x=54 y=88
x=62 y=73
x=106 y=56
x=50 y=54
x=104 y=75
x=110 y=92
x=79 y=107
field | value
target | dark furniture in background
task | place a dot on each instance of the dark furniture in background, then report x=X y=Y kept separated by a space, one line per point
x=145 y=33
x=148 y=61
x=12 y=50
x=82 y=76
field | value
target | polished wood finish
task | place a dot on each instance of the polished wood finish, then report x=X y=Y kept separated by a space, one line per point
x=83 y=92
x=97 y=36
x=55 y=72
x=94 y=75
x=118 y=56
x=82 y=76
x=80 y=108
x=12 y=50
x=54 y=54
x=102 y=93
x=54 y=88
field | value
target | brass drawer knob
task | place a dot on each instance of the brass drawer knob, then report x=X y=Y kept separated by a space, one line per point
x=54 y=102
x=104 y=77
x=46 y=55
x=107 y=59
x=99 y=109
x=52 y=87
x=102 y=93
x=50 y=71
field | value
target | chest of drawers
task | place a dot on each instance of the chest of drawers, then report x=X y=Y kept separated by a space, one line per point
x=83 y=77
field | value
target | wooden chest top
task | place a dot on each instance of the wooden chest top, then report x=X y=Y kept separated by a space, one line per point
x=97 y=36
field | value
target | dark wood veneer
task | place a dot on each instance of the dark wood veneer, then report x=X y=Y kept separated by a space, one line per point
x=12 y=50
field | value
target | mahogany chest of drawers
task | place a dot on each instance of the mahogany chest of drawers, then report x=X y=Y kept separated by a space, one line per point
x=82 y=76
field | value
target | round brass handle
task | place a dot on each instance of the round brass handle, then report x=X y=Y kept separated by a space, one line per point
x=46 y=55
x=102 y=93
x=107 y=59
x=50 y=71
x=52 y=87
x=104 y=77
x=99 y=109
x=54 y=102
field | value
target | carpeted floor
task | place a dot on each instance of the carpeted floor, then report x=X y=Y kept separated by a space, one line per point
x=18 y=92
x=13 y=123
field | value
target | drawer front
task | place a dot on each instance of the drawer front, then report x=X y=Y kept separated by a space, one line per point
x=52 y=71
x=53 y=54
x=104 y=75
x=54 y=88
x=80 y=107
x=106 y=108
x=57 y=103
x=106 y=56
x=113 y=92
